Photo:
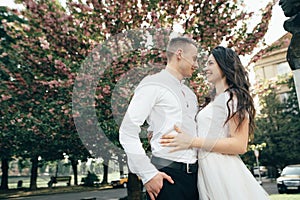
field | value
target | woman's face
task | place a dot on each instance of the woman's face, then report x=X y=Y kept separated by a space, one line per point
x=212 y=70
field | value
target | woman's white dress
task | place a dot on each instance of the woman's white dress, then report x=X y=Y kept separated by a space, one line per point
x=223 y=177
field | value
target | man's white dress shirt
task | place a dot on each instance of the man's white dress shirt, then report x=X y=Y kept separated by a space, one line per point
x=163 y=101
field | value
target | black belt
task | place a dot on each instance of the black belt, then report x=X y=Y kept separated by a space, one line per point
x=186 y=167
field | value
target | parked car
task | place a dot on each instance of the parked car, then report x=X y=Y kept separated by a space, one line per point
x=289 y=179
x=262 y=169
x=122 y=182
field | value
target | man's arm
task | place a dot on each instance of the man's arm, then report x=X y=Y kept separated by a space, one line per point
x=139 y=163
x=138 y=111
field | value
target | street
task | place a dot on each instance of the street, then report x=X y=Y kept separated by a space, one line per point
x=109 y=194
x=116 y=194
x=270 y=187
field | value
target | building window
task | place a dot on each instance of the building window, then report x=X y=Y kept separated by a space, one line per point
x=283 y=68
x=283 y=97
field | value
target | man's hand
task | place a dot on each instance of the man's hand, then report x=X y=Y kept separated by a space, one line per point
x=149 y=136
x=155 y=184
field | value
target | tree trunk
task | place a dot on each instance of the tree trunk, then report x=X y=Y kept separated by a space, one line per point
x=134 y=189
x=4 y=178
x=34 y=173
x=105 y=171
x=74 y=164
x=121 y=166
x=56 y=169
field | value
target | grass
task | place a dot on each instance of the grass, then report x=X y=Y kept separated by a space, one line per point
x=285 y=197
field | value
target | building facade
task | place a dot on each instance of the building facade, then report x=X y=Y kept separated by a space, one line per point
x=273 y=63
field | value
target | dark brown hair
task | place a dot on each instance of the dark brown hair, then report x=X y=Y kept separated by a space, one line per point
x=238 y=82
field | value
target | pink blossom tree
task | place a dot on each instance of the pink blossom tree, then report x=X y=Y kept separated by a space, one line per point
x=52 y=41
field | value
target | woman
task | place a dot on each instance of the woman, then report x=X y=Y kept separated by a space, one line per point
x=224 y=128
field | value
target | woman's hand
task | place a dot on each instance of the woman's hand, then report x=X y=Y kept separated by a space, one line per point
x=180 y=141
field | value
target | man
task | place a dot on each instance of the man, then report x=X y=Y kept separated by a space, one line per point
x=163 y=100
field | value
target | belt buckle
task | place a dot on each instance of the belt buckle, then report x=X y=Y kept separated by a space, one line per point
x=188 y=168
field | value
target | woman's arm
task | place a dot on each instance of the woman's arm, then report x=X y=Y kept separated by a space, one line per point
x=236 y=144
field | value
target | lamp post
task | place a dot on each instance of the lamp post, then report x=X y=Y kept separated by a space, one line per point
x=255 y=148
x=256 y=153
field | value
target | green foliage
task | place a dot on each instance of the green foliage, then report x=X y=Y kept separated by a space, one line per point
x=278 y=123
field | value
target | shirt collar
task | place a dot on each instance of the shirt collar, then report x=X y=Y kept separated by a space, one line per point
x=173 y=77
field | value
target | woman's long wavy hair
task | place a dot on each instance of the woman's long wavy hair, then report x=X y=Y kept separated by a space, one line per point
x=238 y=82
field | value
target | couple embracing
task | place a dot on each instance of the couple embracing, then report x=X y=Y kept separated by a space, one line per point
x=195 y=154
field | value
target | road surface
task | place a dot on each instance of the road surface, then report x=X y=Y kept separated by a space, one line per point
x=115 y=194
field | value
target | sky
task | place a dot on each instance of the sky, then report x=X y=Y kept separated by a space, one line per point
x=276 y=29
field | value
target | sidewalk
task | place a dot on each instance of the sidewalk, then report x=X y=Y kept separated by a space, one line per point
x=13 y=193
x=270 y=185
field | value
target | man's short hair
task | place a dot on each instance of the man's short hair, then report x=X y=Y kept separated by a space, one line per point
x=178 y=42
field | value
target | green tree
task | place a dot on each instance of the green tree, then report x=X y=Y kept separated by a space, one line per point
x=278 y=123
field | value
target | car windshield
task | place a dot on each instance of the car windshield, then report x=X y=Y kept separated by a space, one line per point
x=291 y=171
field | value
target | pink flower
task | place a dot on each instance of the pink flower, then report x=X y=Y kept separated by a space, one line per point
x=5 y=97
x=3 y=54
x=106 y=89
x=49 y=57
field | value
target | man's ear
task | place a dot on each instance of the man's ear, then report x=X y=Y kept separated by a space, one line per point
x=179 y=53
